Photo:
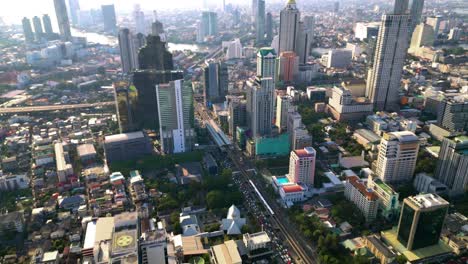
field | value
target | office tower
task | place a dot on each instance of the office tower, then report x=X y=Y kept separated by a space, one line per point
x=289 y=27
x=128 y=51
x=260 y=94
x=39 y=32
x=416 y=10
x=157 y=28
x=384 y=78
x=27 y=30
x=434 y=22
x=452 y=114
x=62 y=20
x=74 y=6
x=139 y=20
x=302 y=166
x=452 y=165
x=269 y=28
x=260 y=23
x=339 y=58
x=237 y=115
x=283 y=106
x=423 y=35
x=398 y=152
x=125 y=101
x=288 y=66
x=306 y=38
x=175 y=113
x=421 y=220
x=155 y=67
x=110 y=20
x=254 y=6
x=47 y=25
x=210 y=23
x=215 y=81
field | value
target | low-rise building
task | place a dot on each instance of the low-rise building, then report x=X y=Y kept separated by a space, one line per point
x=379 y=249
x=226 y=253
x=388 y=198
x=11 y=222
x=257 y=244
x=127 y=146
x=86 y=152
x=10 y=182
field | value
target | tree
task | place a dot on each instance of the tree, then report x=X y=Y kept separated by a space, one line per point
x=401 y=259
x=215 y=199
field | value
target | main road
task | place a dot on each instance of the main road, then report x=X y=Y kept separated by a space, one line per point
x=299 y=247
x=45 y=108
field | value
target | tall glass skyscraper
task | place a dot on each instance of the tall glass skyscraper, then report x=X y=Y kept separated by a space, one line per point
x=62 y=20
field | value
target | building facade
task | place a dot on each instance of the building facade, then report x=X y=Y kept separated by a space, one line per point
x=302 y=166
x=62 y=20
x=365 y=199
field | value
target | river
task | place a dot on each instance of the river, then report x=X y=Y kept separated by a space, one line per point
x=112 y=41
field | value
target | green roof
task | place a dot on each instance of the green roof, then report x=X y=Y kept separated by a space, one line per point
x=265 y=51
x=384 y=186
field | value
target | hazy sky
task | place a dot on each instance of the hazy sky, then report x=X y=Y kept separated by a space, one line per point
x=14 y=10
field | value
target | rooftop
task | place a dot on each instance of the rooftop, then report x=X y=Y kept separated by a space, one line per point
x=258 y=238
x=306 y=152
x=292 y=188
x=358 y=184
x=86 y=149
x=427 y=200
x=124 y=137
x=380 y=246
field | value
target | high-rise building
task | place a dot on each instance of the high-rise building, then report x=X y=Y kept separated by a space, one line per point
x=416 y=10
x=455 y=34
x=269 y=28
x=175 y=113
x=74 y=6
x=336 y=7
x=364 y=198
x=157 y=28
x=139 y=20
x=306 y=38
x=234 y=49
x=237 y=115
x=260 y=94
x=384 y=79
x=38 y=31
x=397 y=156
x=155 y=67
x=452 y=114
x=423 y=35
x=260 y=23
x=283 y=106
x=128 y=51
x=47 y=25
x=62 y=20
x=339 y=58
x=27 y=30
x=110 y=20
x=434 y=22
x=452 y=165
x=289 y=27
x=125 y=101
x=302 y=166
x=215 y=81
x=254 y=6
x=209 y=23
x=421 y=220
x=288 y=66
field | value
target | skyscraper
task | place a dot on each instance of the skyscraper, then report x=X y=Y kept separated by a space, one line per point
x=289 y=27
x=416 y=10
x=39 y=32
x=139 y=19
x=110 y=20
x=434 y=22
x=175 y=113
x=269 y=28
x=210 y=23
x=47 y=25
x=215 y=81
x=237 y=115
x=302 y=166
x=155 y=67
x=421 y=220
x=384 y=79
x=260 y=94
x=157 y=28
x=423 y=35
x=283 y=104
x=62 y=20
x=74 y=6
x=452 y=164
x=260 y=23
x=27 y=30
x=398 y=152
x=288 y=66
x=128 y=51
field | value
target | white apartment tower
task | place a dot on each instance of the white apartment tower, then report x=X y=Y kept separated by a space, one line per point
x=302 y=166
x=398 y=152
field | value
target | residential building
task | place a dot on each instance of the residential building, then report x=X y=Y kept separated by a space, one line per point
x=126 y=146
x=423 y=35
x=366 y=31
x=74 y=6
x=11 y=222
x=62 y=19
x=175 y=110
x=47 y=25
x=27 y=30
x=397 y=156
x=384 y=78
x=234 y=49
x=11 y=182
x=110 y=20
x=283 y=105
x=38 y=30
x=434 y=22
x=421 y=220
x=452 y=114
x=302 y=166
x=452 y=164
x=300 y=138
x=388 y=198
x=364 y=198
x=215 y=82
x=64 y=167
x=288 y=66
x=424 y=183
